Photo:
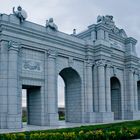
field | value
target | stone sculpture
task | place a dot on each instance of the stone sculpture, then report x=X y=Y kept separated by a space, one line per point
x=51 y=24
x=20 y=13
x=108 y=21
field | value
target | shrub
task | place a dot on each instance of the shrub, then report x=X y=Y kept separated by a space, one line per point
x=20 y=136
x=9 y=136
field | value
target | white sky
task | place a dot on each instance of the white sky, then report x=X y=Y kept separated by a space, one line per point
x=70 y=14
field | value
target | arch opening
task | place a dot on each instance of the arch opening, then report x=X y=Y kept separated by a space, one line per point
x=61 y=98
x=72 y=95
x=31 y=104
x=116 y=97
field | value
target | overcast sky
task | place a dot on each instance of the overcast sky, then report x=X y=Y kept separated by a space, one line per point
x=69 y=14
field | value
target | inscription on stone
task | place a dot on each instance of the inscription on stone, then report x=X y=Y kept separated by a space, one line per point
x=32 y=65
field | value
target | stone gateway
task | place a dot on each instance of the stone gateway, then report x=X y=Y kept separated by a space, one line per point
x=99 y=66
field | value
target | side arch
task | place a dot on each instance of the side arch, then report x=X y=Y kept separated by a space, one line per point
x=116 y=98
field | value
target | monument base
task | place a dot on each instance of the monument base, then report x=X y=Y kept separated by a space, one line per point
x=14 y=121
x=134 y=115
x=99 y=117
x=53 y=119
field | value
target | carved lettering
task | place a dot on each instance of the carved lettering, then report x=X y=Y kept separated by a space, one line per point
x=32 y=65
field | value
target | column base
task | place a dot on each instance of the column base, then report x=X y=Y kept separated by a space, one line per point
x=103 y=117
x=134 y=115
x=99 y=117
x=90 y=117
x=14 y=122
x=3 y=121
x=53 y=119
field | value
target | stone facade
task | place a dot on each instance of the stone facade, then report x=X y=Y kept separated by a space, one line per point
x=99 y=66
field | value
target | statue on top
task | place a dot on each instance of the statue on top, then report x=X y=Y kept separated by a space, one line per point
x=20 y=13
x=51 y=24
x=108 y=20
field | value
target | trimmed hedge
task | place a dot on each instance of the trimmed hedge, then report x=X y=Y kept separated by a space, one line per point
x=98 y=134
x=116 y=131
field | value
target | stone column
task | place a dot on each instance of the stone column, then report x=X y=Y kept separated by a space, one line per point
x=52 y=89
x=14 y=112
x=3 y=83
x=136 y=91
x=107 y=87
x=89 y=88
x=101 y=85
x=131 y=89
x=95 y=85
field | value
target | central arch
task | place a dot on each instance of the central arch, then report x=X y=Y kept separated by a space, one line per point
x=73 y=106
x=116 y=98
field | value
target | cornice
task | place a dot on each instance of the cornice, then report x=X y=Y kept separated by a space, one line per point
x=47 y=39
x=116 y=37
x=103 y=27
x=130 y=40
x=30 y=32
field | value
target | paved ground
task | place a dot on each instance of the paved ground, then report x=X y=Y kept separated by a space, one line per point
x=62 y=124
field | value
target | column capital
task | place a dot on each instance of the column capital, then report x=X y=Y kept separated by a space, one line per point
x=100 y=63
x=12 y=45
x=108 y=64
x=131 y=69
x=89 y=62
x=114 y=71
x=52 y=54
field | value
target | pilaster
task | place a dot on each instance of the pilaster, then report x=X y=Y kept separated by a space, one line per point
x=89 y=87
x=102 y=107
x=14 y=92
x=131 y=89
x=52 y=89
x=3 y=83
x=101 y=84
x=89 y=92
x=132 y=97
x=107 y=87
x=135 y=90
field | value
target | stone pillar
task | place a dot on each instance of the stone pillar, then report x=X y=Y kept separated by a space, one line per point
x=101 y=85
x=95 y=92
x=3 y=83
x=136 y=91
x=132 y=96
x=89 y=92
x=107 y=88
x=89 y=88
x=131 y=89
x=52 y=89
x=102 y=109
x=14 y=112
